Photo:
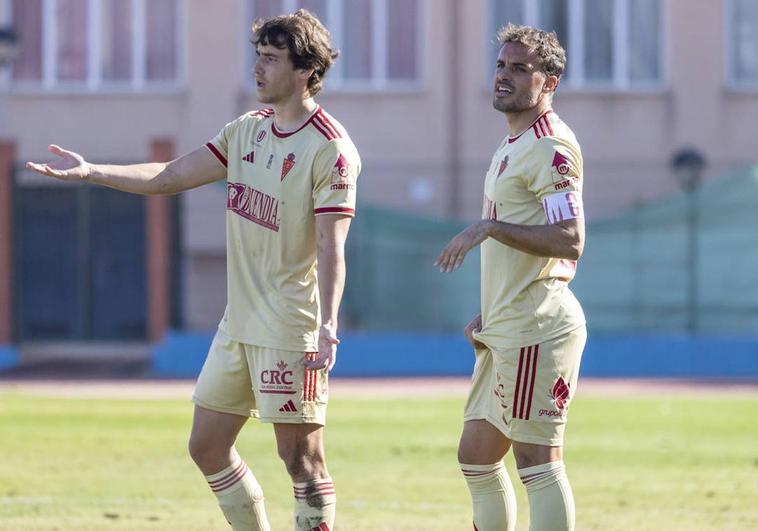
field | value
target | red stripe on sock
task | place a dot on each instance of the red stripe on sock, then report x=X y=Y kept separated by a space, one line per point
x=230 y=474
x=230 y=480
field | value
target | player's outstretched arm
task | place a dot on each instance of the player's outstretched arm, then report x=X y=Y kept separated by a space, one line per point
x=564 y=239
x=331 y=233
x=156 y=178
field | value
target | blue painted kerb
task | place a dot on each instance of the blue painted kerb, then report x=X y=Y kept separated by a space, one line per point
x=8 y=357
x=182 y=355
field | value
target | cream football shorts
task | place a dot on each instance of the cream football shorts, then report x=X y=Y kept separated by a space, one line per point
x=526 y=392
x=260 y=382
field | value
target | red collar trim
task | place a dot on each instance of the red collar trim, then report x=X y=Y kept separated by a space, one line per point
x=281 y=134
x=512 y=139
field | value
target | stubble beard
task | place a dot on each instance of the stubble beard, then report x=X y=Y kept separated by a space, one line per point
x=519 y=104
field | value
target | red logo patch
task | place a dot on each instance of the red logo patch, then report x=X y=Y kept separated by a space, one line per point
x=250 y=157
x=261 y=136
x=503 y=165
x=341 y=170
x=560 y=393
x=287 y=165
x=561 y=163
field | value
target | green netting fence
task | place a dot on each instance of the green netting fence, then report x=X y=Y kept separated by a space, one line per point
x=684 y=264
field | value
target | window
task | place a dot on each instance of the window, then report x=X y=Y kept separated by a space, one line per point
x=97 y=44
x=379 y=40
x=743 y=43
x=613 y=44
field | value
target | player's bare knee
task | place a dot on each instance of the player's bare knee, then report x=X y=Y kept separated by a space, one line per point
x=527 y=455
x=208 y=453
x=302 y=464
x=198 y=448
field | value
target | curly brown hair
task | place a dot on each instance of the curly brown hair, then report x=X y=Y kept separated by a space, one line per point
x=545 y=43
x=308 y=41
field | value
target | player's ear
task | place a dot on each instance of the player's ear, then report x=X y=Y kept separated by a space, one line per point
x=551 y=83
x=305 y=73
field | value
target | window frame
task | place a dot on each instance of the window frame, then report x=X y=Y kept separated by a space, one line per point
x=730 y=80
x=93 y=83
x=334 y=82
x=620 y=81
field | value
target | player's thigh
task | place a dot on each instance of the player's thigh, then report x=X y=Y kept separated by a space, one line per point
x=539 y=382
x=481 y=443
x=285 y=391
x=224 y=384
x=484 y=398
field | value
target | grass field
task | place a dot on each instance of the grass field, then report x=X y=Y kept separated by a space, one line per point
x=667 y=462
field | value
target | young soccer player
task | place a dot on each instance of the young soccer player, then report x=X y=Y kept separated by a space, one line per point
x=531 y=332
x=291 y=173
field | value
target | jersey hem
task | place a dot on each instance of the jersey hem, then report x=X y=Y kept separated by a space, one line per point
x=530 y=340
x=289 y=347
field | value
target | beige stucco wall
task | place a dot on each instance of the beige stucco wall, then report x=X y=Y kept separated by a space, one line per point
x=410 y=140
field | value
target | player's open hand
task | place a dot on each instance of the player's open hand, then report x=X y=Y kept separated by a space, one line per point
x=473 y=327
x=326 y=356
x=69 y=166
x=452 y=256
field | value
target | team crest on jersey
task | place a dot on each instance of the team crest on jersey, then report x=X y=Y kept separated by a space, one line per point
x=287 y=165
x=261 y=136
x=503 y=166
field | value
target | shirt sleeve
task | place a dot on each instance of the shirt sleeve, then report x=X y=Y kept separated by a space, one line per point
x=219 y=144
x=335 y=176
x=557 y=168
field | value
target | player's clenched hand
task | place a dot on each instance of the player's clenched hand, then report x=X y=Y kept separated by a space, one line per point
x=474 y=326
x=69 y=166
x=327 y=349
x=452 y=256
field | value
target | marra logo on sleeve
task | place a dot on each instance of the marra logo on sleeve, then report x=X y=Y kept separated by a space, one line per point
x=341 y=174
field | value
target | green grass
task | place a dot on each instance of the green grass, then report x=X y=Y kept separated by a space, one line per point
x=667 y=463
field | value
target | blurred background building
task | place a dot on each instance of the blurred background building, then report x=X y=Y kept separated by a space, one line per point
x=671 y=247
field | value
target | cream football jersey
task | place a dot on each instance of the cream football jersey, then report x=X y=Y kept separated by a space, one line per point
x=535 y=178
x=277 y=182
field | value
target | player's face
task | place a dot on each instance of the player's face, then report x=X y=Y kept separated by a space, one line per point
x=520 y=83
x=276 y=78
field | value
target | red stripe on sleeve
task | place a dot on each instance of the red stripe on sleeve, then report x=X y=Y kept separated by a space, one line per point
x=335 y=210
x=215 y=151
x=322 y=130
x=320 y=116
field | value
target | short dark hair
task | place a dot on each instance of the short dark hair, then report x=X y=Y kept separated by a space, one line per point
x=308 y=41
x=546 y=44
